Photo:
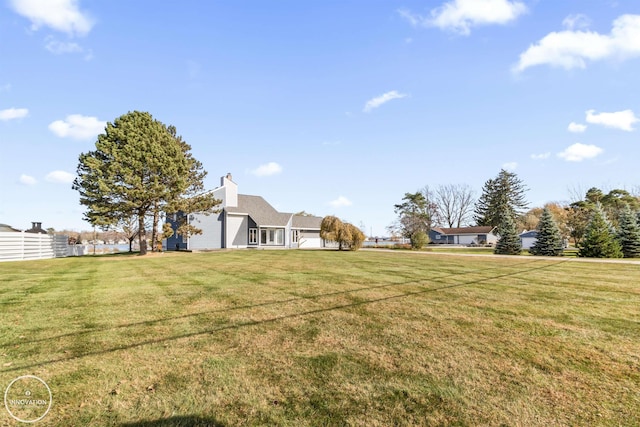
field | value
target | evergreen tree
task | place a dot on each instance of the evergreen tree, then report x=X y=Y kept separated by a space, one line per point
x=629 y=234
x=137 y=169
x=509 y=242
x=549 y=241
x=503 y=194
x=599 y=239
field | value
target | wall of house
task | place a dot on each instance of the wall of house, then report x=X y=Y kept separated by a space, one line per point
x=438 y=238
x=212 y=231
x=237 y=231
x=310 y=239
x=528 y=242
x=175 y=242
x=466 y=240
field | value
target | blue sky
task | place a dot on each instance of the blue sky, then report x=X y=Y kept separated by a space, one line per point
x=333 y=107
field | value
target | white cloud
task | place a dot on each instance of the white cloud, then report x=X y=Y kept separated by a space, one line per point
x=572 y=49
x=540 y=156
x=579 y=152
x=622 y=120
x=579 y=20
x=60 y=177
x=13 y=113
x=576 y=127
x=382 y=99
x=510 y=166
x=5 y=87
x=27 y=180
x=461 y=15
x=59 y=15
x=57 y=47
x=271 y=168
x=411 y=18
x=77 y=126
x=340 y=202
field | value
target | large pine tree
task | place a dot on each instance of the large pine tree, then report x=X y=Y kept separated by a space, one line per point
x=549 y=241
x=139 y=167
x=509 y=242
x=503 y=194
x=599 y=239
x=629 y=233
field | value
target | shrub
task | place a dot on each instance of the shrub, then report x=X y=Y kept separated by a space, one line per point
x=419 y=239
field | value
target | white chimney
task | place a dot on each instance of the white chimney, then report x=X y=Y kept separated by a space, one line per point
x=230 y=191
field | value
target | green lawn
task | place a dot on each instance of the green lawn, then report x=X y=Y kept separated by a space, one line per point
x=324 y=338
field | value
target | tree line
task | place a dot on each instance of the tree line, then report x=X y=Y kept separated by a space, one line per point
x=600 y=225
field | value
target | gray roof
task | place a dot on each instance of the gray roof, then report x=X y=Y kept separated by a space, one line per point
x=531 y=233
x=260 y=211
x=306 y=222
x=5 y=227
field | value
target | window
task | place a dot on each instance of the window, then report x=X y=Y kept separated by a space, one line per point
x=272 y=236
x=294 y=236
x=253 y=236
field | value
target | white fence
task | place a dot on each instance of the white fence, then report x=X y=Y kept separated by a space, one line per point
x=17 y=246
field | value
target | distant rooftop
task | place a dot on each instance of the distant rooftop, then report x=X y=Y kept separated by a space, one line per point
x=8 y=228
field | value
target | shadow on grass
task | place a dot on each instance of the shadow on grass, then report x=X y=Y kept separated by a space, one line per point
x=292 y=315
x=124 y=254
x=127 y=254
x=179 y=421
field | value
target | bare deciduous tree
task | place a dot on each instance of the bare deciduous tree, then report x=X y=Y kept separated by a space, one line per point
x=454 y=203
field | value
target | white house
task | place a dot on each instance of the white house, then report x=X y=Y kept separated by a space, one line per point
x=245 y=221
x=484 y=235
x=528 y=239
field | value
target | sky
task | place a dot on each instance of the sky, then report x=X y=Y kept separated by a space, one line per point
x=334 y=107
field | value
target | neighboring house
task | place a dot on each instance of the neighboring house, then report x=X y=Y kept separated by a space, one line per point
x=36 y=228
x=464 y=235
x=245 y=221
x=528 y=238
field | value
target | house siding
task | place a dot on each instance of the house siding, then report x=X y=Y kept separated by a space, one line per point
x=459 y=237
x=212 y=231
x=309 y=239
x=237 y=231
x=175 y=242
